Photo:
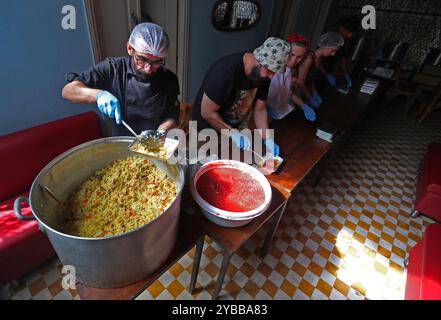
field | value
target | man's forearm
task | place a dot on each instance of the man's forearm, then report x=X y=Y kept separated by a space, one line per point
x=297 y=100
x=78 y=92
x=168 y=124
x=210 y=113
x=215 y=120
x=261 y=120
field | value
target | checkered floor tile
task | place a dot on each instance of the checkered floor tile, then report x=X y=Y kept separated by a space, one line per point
x=346 y=238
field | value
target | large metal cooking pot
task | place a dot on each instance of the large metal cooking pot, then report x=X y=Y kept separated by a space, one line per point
x=102 y=262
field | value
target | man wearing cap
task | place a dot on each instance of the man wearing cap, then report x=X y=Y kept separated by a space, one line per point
x=231 y=85
x=137 y=89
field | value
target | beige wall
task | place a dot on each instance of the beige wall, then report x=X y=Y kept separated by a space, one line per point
x=112 y=27
x=165 y=14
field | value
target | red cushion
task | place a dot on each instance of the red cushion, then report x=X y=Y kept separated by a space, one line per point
x=24 y=153
x=13 y=230
x=22 y=245
x=428 y=192
x=22 y=156
x=431 y=283
x=424 y=270
x=433 y=158
x=414 y=269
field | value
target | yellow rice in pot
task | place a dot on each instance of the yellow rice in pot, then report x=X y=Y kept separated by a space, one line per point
x=123 y=196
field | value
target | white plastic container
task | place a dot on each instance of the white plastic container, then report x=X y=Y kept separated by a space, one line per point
x=223 y=217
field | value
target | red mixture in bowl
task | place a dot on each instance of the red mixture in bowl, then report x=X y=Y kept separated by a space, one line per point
x=230 y=189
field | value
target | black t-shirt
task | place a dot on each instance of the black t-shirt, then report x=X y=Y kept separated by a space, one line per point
x=225 y=84
x=145 y=103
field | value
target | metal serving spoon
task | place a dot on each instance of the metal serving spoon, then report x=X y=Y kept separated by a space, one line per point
x=150 y=139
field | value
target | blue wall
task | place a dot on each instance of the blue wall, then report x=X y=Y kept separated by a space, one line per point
x=207 y=44
x=35 y=54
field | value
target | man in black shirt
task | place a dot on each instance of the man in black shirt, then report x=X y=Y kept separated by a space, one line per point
x=137 y=89
x=232 y=84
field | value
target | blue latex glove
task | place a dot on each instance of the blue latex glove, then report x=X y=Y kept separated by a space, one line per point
x=108 y=105
x=348 y=81
x=272 y=147
x=317 y=97
x=314 y=103
x=241 y=141
x=309 y=112
x=331 y=80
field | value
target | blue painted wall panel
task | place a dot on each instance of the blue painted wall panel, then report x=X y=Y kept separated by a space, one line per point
x=207 y=44
x=36 y=52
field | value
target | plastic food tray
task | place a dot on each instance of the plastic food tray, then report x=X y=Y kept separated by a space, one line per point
x=163 y=153
x=267 y=171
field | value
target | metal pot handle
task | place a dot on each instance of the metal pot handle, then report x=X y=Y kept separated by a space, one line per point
x=17 y=209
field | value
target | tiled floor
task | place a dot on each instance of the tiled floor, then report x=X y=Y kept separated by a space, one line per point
x=344 y=239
